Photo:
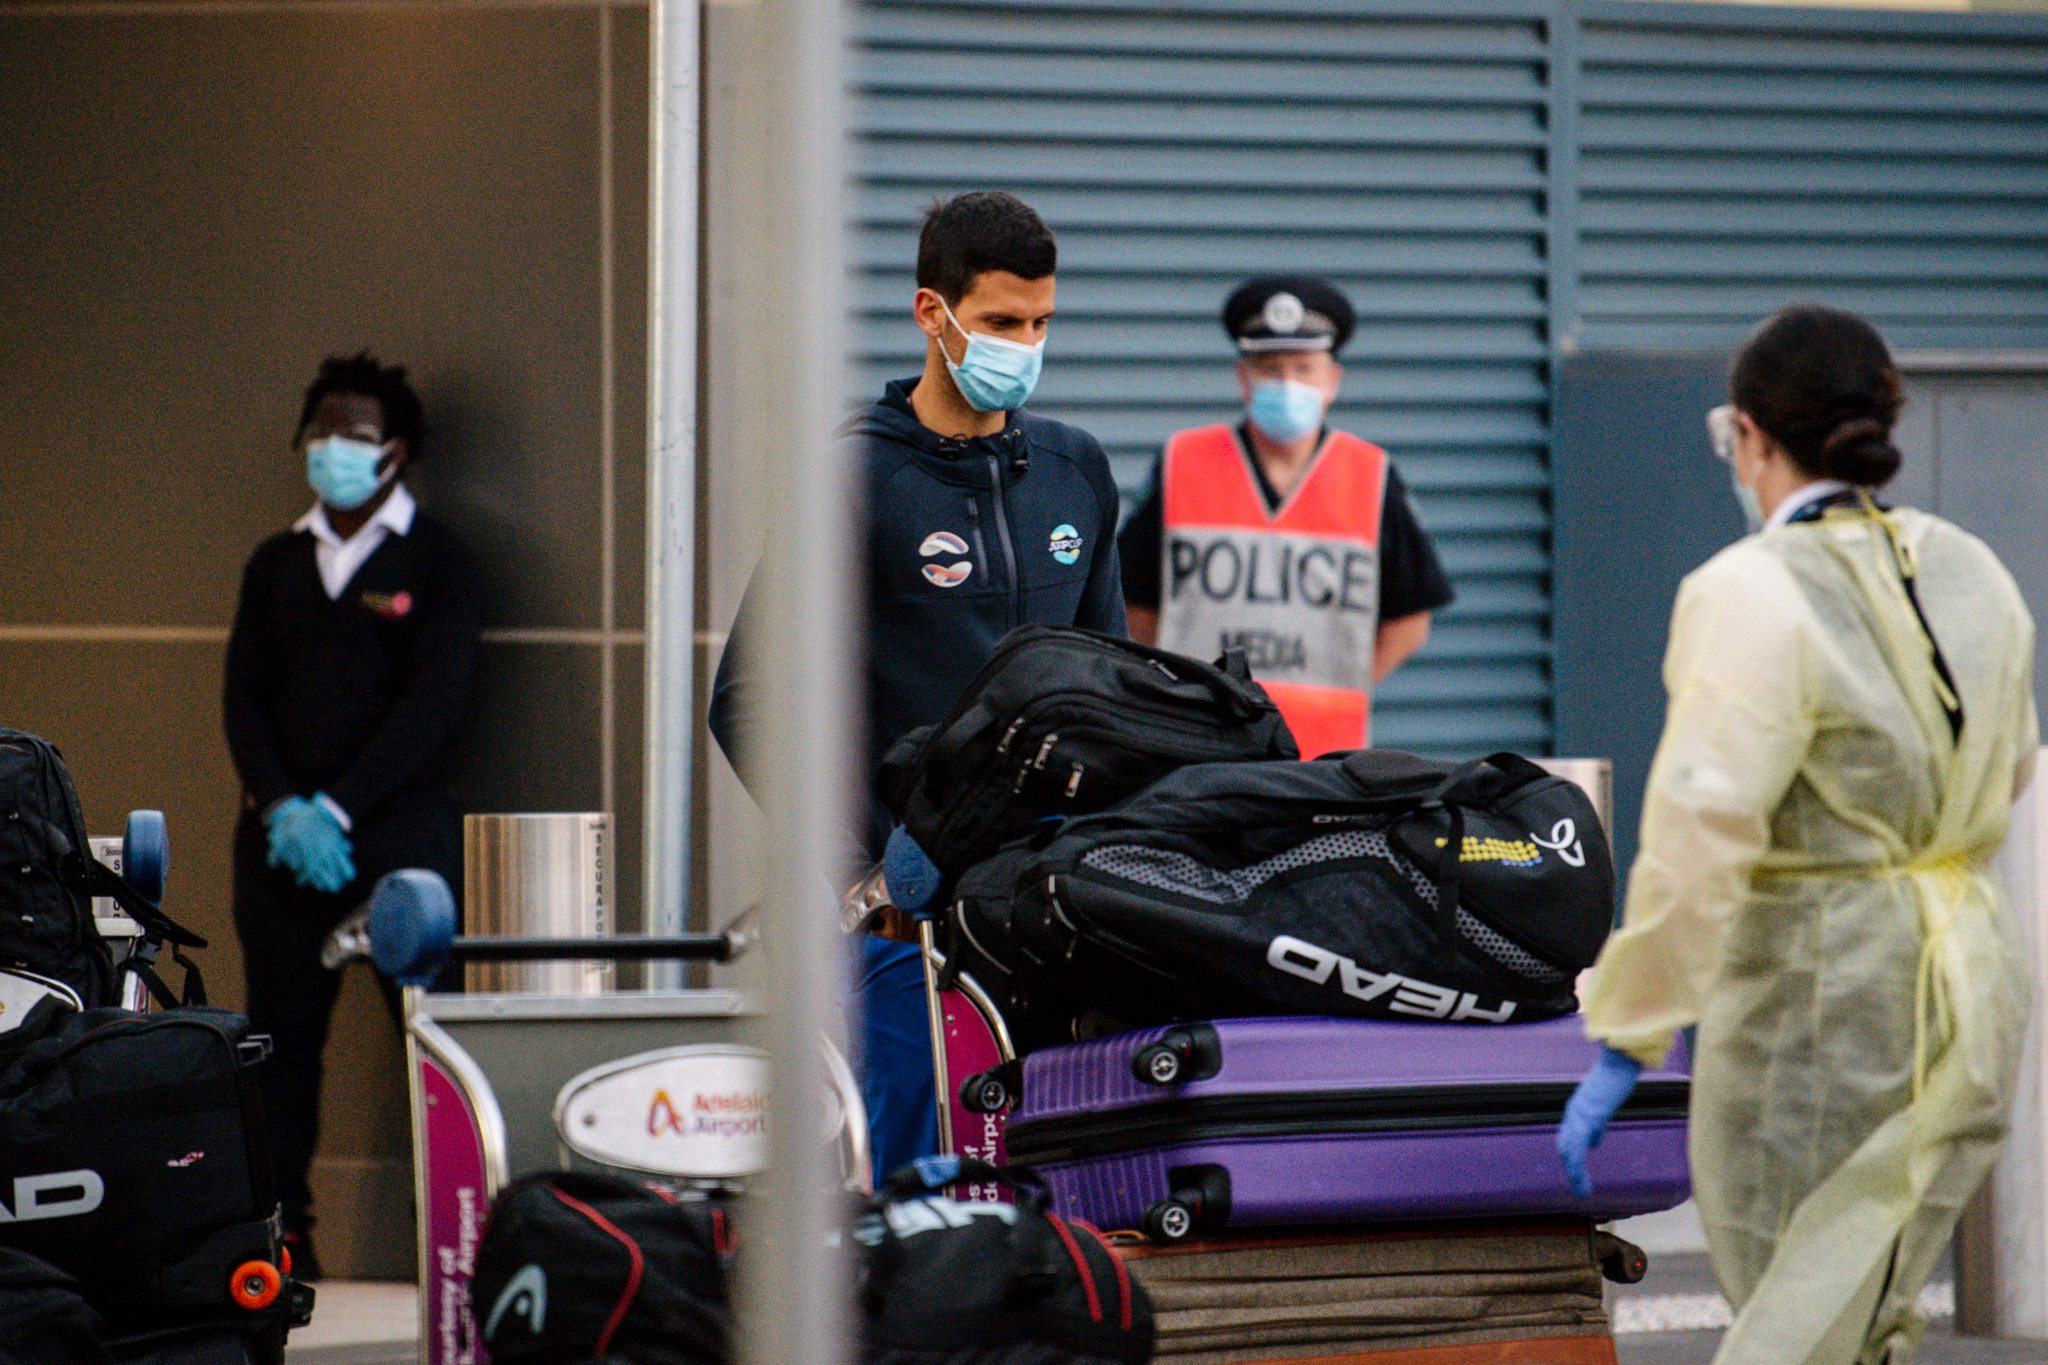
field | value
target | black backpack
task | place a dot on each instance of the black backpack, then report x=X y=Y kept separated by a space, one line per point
x=1063 y=721
x=947 y=1282
x=576 y=1267
x=1373 y=884
x=48 y=878
x=139 y=1165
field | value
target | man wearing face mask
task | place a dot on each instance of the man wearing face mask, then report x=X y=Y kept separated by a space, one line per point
x=980 y=519
x=1281 y=536
x=348 y=670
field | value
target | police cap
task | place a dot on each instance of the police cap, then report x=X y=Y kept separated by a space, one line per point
x=1288 y=313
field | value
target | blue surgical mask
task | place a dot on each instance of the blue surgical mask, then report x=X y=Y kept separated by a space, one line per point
x=343 y=471
x=1752 y=506
x=1286 y=410
x=993 y=375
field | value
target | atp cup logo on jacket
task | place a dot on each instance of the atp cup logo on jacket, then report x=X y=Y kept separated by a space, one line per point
x=945 y=575
x=1066 y=543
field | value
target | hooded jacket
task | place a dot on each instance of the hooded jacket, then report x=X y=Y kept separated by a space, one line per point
x=965 y=541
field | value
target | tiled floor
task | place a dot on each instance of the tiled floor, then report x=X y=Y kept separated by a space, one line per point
x=1679 y=1291
x=359 y=1323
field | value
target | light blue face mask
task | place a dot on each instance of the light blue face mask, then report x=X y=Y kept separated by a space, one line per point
x=993 y=375
x=1286 y=409
x=343 y=471
x=1752 y=506
x=1724 y=433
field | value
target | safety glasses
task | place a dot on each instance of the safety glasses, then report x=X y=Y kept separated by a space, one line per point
x=1721 y=432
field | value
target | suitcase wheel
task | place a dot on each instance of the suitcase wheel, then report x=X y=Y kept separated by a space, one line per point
x=1188 y=1052
x=1169 y=1220
x=1157 y=1063
x=1620 y=1261
x=255 y=1285
x=987 y=1092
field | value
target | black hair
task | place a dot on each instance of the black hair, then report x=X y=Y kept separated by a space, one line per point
x=1821 y=383
x=404 y=418
x=980 y=231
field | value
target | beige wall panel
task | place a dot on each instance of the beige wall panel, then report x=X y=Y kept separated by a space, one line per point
x=630 y=682
x=629 y=234
x=532 y=732
x=139 y=725
x=198 y=207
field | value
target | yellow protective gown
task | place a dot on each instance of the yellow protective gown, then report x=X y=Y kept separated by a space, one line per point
x=1814 y=889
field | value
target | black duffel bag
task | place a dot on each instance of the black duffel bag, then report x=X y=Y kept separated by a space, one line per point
x=1063 y=721
x=579 y=1267
x=138 y=1165
x=1371 y=884
x=946 y=1283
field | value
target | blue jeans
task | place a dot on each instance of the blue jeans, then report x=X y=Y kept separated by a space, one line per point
x=896 y=1081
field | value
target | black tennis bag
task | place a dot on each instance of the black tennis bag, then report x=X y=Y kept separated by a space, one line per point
x=46 y=924
x=136 y=1162
x=946 y=1283
x=1063 y=721
x=1372 y=884
x=48 y=878
x=577 y=1267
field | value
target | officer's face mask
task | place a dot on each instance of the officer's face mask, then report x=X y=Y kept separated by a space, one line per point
x=343 y=470
x=1286 y=410
x=993 y=375
x=1722 y=430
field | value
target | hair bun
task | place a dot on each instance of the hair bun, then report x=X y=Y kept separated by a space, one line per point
x=1860 y=451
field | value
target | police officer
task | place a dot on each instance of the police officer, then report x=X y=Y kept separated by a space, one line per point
x=348 y=670
x=1281 y=536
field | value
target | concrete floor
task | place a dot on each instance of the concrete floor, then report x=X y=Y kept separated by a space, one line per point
x=1680 y=1286
x=357 y=1323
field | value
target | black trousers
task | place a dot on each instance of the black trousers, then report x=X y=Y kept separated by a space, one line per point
x=281 y=926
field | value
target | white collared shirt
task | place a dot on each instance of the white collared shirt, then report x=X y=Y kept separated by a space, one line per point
x=1802 y=498
x=339 y=559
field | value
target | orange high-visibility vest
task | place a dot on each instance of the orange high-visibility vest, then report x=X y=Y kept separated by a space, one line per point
x=1298 y=590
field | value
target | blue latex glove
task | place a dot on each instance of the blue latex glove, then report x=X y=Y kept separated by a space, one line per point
x=912 y=879
x=309 y=841
x=1605 y=1089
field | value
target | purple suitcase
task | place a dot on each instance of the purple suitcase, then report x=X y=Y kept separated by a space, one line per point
x=1244 y=1123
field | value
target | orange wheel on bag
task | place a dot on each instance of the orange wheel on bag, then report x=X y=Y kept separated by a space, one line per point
x=255 y=1284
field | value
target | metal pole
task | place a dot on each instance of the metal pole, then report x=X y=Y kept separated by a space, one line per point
x=790 y=265
x=671 y=469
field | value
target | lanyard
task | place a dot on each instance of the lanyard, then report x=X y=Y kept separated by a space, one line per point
x=1907 y=563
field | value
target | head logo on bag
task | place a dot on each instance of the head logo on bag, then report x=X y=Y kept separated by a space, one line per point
x=31 y=1202
x=525 y=1295
x=1564 y=841
x=1298 y=957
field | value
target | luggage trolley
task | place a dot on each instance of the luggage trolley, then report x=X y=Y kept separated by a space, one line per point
x=653 y=1085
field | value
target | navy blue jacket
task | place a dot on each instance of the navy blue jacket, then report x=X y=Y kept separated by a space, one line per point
x=966 y=541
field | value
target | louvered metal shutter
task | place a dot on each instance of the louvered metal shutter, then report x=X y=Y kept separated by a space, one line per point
x=1399 y=149
x=1485 y=181
x=1735 y=160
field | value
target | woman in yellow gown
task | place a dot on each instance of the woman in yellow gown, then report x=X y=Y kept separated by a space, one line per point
x=1850 y=716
